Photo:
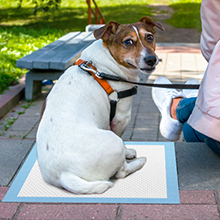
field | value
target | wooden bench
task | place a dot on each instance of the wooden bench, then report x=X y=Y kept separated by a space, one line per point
x=52 y=60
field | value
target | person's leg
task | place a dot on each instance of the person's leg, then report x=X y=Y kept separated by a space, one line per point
x=183 y=109
x=191 y=135
x=169 y=128
x=213 y=145
x=175 y=108
x=164 y=99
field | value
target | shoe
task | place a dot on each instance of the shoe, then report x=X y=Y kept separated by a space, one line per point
x=189 y=93
x=169 y=128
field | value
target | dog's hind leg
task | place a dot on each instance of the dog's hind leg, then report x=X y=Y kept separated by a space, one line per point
x=78 y=185
x=130 y=153
x=131 y=167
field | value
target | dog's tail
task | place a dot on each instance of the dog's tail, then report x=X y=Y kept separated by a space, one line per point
x=78 y=185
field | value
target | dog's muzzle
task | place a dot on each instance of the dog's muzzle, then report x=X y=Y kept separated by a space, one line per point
x=150 y=60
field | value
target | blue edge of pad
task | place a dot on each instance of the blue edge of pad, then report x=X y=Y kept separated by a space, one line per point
x=171 y=174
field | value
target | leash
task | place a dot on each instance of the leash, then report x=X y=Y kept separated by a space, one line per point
x=169 y=86
x=88 y=67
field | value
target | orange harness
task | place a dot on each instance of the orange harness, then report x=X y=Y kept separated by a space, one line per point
x=105 y=85
x=88 y=67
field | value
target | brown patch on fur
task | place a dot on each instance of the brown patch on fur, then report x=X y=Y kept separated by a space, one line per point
x=116 y=36
x=120 y=51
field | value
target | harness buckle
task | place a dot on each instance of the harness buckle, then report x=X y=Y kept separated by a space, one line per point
x=98 y=75
x=87 y=66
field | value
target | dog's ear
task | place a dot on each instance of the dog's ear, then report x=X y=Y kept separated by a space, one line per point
x=106 y=31
x=150 y=22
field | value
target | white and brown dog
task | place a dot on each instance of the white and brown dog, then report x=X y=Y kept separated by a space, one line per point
x=77 y=147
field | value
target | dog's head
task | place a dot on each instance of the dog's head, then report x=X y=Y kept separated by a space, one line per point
x=131 y=45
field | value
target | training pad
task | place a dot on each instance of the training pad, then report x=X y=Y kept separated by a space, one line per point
x=156 y=182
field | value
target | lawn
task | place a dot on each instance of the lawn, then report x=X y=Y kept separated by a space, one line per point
x=22 y=32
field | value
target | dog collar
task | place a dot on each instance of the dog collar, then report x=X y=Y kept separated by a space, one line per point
x=88 y=67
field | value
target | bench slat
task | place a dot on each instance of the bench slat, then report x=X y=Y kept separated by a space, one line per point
x=70 y=51
x=27 y=61
x=67 y=50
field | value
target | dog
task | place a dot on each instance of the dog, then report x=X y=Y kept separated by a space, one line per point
x=78 y=148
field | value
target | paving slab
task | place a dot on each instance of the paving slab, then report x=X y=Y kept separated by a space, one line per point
x=198 y=167
x=8 y=210
x=24 y=124
x=68 y=211
x=130 y=212
x=3 y=191
x=12 y=154
x=198 y=197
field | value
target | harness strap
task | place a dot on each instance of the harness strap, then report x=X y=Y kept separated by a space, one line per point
x=127 y=93
x=122 y=94
x=106 y=86
x=113 y=106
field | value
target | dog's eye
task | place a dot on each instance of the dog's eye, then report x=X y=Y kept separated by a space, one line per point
x=150 y=37
x=128 y=42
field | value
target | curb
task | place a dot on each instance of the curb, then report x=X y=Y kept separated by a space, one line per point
x=10 y=98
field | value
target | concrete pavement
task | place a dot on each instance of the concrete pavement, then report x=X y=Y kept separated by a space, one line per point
x=198 y=167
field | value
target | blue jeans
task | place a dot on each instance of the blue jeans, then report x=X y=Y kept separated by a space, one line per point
x=183 y=111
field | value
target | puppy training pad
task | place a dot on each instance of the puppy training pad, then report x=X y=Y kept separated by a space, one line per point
x=156 y=182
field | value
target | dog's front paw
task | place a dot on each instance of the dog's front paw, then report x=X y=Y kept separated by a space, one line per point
x=130 y=154
x=142 y=160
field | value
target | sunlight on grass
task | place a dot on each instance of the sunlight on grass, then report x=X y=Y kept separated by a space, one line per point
x=17 y=43
x=187 y=14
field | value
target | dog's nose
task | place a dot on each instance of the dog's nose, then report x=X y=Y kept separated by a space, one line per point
x=150 y=60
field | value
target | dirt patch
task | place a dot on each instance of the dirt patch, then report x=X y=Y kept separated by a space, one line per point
x=171 y=33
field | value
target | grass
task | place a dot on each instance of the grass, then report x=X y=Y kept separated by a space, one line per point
x=16 y=42
x=186 y=9
x=21 y=32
